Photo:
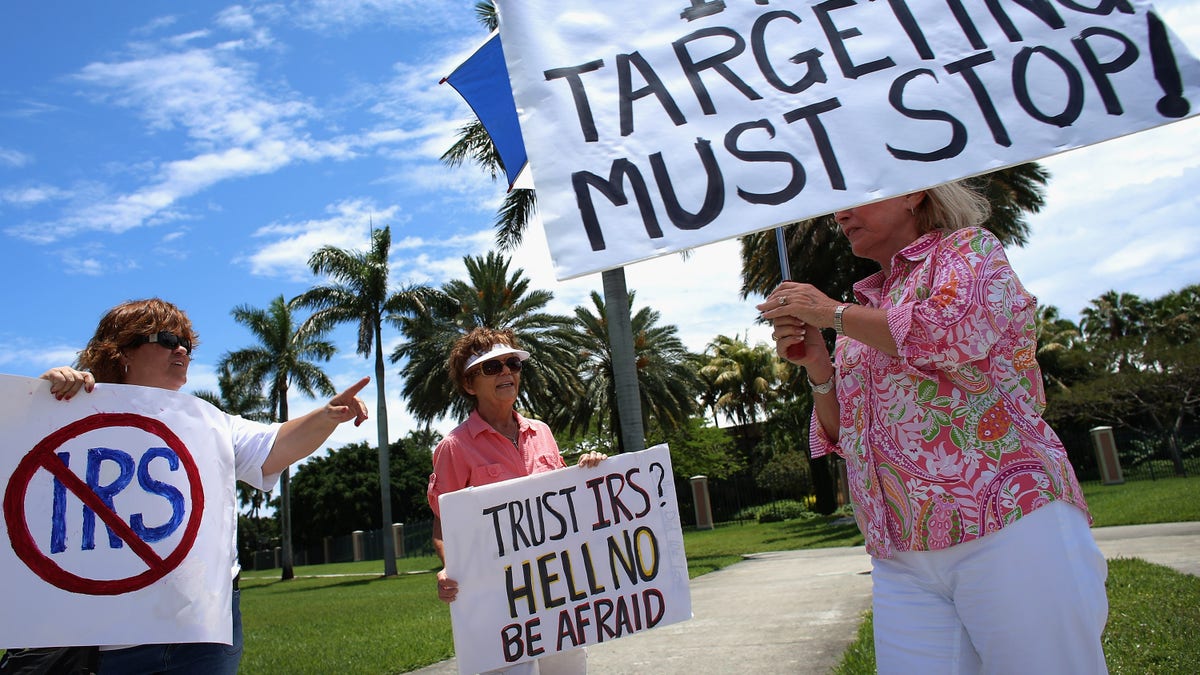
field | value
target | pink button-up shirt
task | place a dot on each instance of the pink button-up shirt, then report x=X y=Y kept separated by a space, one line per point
x=945 y=442
x=476 y=454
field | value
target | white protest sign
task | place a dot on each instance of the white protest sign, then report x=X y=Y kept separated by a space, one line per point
x=118 y=517
x=564 y=559
x=653 y=127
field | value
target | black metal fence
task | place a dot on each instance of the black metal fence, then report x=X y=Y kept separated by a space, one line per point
x=741 y=499
x=1143 y=456
x=417 y=541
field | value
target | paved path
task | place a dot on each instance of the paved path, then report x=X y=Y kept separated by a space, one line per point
x=1176 y=545
x=797 y=611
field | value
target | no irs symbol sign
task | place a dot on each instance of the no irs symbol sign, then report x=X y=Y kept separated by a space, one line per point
x=125 y=504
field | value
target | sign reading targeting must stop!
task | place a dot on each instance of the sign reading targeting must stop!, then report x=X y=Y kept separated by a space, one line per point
x=116 y=504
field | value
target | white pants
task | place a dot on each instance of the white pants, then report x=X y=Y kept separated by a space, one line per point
x=1027 y=599
x=573 y=662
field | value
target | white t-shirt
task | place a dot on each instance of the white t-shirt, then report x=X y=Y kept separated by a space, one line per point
x=252 y=443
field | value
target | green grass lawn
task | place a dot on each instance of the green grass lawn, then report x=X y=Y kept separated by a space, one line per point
x=1153 y=615
x=1168 y=500
x=1154 y=611
x=368 y=624
x=352 y=624
x=352 y=620
x=364 y=623
x=710 y=550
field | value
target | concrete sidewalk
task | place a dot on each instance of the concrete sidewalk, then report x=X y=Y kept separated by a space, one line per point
x=797 y=611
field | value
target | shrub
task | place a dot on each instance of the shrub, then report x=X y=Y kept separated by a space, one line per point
x=773 y=512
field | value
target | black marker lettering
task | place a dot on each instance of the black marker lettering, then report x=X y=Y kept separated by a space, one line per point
x=587 y=123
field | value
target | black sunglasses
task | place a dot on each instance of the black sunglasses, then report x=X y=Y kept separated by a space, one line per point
x=164 y=338
x=494 y=366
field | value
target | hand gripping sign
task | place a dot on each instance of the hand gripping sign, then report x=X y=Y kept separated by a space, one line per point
x=565 y=559
x=116 y=504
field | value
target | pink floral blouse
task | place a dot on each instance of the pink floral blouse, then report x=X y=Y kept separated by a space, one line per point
x=946 y=443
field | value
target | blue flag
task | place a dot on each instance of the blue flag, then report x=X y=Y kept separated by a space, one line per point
x=482 y=80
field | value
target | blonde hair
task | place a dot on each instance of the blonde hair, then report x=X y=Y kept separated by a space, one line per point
x=120 y=327
x=951 y=206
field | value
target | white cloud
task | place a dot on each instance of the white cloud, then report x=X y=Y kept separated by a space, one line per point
x=201 y=377
x=1138 y=257
x=93 y=260
x=235 y=18
x=291 y=244
x=212 y=95
x=1182 y=17
x=336 y=16
x=31 y=195
x=431 y=115
x=14 y=159
x=698 y=295
x=155 y=25
x=22 y=355
x=240 y=130
x=27 y=108
x=1120 y=215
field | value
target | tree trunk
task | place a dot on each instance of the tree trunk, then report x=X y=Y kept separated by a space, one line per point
x=285 y=507
x=285 y=499
x=625 y=381
x=824 y=484
x=385 y=472
x=1173 y=447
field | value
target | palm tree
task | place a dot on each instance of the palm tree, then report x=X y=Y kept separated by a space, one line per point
x=495 y=297
x=358 y=293
x=748 y=378
x=1055 y=337
x=234 y=397
x=475 y=145
x=1114 y=316
x=665 y=375
x=1175 y=317
x=1116 y=324
x=281 y=359
x=709 y=394
x=820 y=255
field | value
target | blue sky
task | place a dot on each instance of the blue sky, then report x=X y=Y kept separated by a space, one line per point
x=201 y=151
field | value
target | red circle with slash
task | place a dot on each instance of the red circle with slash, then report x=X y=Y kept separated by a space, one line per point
x=43 y=456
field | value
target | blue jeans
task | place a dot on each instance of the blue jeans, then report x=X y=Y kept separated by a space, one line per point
x=195 y=658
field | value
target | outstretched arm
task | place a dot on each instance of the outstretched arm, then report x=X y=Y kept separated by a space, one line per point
x=300 y=437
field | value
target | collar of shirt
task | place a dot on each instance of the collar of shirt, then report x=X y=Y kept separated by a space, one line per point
x=477 y=425
x=869 y=290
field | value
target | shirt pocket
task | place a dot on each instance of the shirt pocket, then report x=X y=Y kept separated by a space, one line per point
x=487 y=474
x=544 y=463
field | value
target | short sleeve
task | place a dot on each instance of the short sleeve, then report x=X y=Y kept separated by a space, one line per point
x=447 y=475
x=971 y=299
x=252 y=443
x=819 y=443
